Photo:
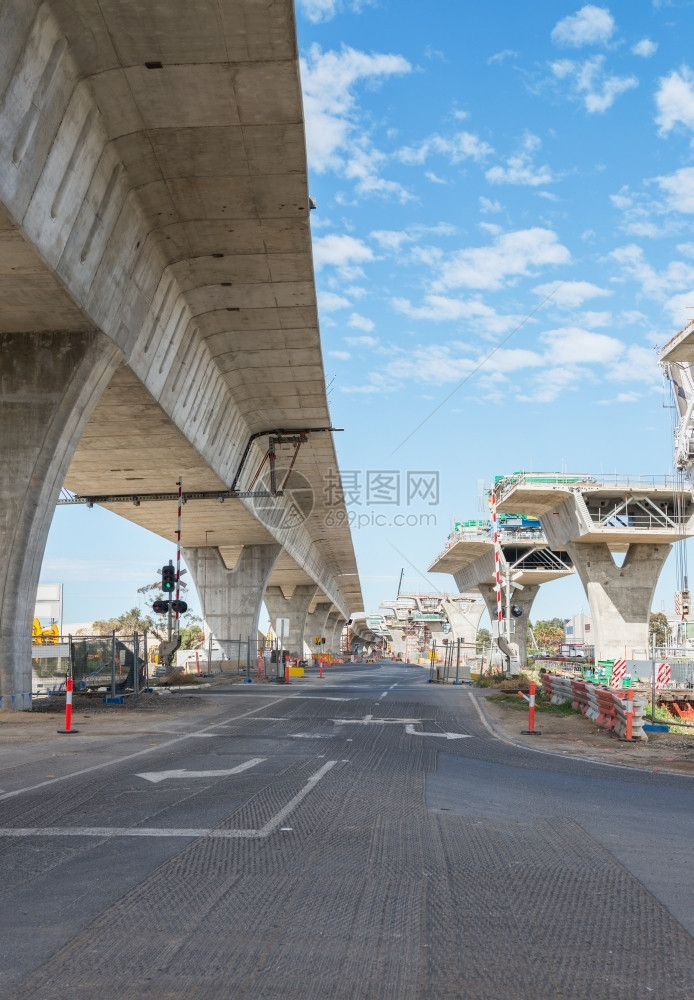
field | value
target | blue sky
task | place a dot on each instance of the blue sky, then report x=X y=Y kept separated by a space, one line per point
x=504 y=195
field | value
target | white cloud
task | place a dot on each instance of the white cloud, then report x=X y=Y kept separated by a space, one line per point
x=571 y=294
x=331 y=301
x=637 y=364
x=340 y=355
x=434 y=178
x=553 y=383
x=391 y=239
x=591 y=84
x=361 y=322
x=659 y=285
x=335 y=138
x=574 y=345
x=519 y=167
x=645 y=48
x=489 y=206
x=340 y=251
x=679 y=189
x=675 y=100
x=458 y=147
x=317 y=11
x=500 y=57
x=513 y=255
x=591 y=25
x=361 y=341
x=441 y=309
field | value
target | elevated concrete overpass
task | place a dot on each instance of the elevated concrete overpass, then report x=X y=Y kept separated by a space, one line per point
x=593 y=518
x=157 y=300
x=527 y=561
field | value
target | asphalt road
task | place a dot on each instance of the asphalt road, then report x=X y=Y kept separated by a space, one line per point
x=361 y=837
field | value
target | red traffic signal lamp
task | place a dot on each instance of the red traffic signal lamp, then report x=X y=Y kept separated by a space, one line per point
x=160 y=607
x=179 y=607
x=323 y=641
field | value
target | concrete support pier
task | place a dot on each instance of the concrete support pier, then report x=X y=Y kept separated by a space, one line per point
x=314 y=625
x=520 y=598
x=593 y=521
x=49 y=386
x=295 y=608
x=231 y=598
x=620 y=597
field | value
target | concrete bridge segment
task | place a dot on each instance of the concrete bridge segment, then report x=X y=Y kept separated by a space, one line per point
x=525 y=558
x=591 y=520
x=158 y=303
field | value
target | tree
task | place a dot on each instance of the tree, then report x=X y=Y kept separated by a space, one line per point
x=484 y=638
x=658 y=628
x=127 y=623
x=549 y=635
x=192 y=637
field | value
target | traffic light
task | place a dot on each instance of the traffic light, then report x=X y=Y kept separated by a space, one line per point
x=323 y=641
x=179 y=607
x=160 y=607
x=168 y=578
x=516 y=611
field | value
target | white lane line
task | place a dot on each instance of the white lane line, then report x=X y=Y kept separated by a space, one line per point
x=266 y=830
x=156 y=776
x=129 y=756
x=393 y=686
x=382 y=695
x=164 y=832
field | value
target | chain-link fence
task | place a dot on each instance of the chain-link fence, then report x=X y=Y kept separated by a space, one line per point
x=106 y=663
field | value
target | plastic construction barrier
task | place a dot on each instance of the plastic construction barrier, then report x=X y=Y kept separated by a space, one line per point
x=619 y=710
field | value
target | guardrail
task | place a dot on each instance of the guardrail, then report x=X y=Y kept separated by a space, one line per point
x=558 y=480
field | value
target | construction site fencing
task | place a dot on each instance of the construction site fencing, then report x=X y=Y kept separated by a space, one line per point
x=449 y=663
x=106 y=663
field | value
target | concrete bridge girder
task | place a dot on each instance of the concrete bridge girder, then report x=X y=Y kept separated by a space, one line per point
x=176 y=226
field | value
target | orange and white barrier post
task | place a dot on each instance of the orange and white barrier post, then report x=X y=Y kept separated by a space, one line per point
x=630 y=714
x=530 y=731
x=286 y=673
x=320 y=669
x=68 y=709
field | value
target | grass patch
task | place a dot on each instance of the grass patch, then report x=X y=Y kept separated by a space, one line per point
x=542 y=704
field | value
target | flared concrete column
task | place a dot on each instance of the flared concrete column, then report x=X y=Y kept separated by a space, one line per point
x=334 y=620
x=314 y=625
x=231 y=599
x=49 y=386
x=523 y=599
x=295 y=609
x=464 y=623
x=620 y=597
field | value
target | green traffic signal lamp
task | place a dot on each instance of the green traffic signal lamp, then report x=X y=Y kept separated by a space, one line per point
x=168 y=578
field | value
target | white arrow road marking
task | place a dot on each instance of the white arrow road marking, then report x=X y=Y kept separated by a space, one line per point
x=446 y=736
x=156 y=776
x=191 y=832
x=369 y=720
x=311 y=736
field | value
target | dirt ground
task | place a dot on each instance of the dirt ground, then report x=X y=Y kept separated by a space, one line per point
x=565 y=734
x=577 y=735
